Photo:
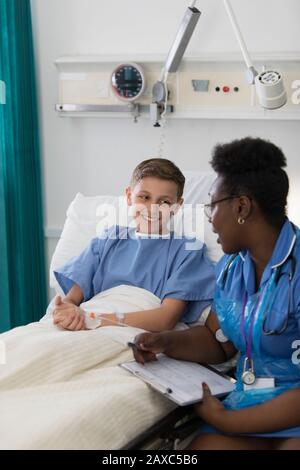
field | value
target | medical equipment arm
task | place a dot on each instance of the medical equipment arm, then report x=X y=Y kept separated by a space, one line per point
x=269 y=84
x=183 y=37
x=160 y=92
x=240 y=39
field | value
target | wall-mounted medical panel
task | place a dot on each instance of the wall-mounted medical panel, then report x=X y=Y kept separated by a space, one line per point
x=203 y=88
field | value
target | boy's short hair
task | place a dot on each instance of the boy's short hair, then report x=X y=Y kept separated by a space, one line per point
x=159 y=168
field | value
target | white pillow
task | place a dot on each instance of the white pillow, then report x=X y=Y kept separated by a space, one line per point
x=88 y=216
x=196 y=191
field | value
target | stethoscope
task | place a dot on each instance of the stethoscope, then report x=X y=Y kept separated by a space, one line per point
x=267 y=295
x=277 y=276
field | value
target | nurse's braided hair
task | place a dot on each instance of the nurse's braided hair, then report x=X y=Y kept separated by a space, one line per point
x=255 y=167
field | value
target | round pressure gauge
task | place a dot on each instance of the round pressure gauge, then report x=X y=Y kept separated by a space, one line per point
x=128 y=82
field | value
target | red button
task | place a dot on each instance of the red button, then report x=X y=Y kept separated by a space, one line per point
x=226 y=89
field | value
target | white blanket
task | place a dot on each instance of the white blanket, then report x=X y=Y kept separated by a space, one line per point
x=64 y=390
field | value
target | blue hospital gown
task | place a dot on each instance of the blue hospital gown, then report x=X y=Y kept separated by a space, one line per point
x=167 y=267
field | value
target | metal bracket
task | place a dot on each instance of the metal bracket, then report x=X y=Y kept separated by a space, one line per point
x=133 y=108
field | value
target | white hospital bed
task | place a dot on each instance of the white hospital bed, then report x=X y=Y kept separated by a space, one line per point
x=69 y=393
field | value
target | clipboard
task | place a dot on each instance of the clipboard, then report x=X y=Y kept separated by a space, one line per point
x=180 y=381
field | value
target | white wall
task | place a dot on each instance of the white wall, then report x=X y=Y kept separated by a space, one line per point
x=96 y=155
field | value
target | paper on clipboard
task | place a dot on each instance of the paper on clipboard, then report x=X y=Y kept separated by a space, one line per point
x=180 y=381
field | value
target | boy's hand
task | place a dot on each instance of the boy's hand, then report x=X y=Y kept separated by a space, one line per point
x=68 y=316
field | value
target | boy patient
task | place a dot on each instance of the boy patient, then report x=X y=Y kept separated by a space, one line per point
x=147 y=255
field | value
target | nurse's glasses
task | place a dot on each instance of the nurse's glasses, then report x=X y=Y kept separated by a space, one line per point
x=208 y=208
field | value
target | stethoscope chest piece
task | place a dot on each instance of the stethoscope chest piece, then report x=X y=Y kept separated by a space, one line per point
x=248 y=376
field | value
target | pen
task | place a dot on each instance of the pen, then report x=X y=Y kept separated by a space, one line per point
x=133 y=346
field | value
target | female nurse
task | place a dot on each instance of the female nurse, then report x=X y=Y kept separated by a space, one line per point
x=256 y=309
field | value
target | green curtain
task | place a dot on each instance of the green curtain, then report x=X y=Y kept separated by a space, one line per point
x=22 y=257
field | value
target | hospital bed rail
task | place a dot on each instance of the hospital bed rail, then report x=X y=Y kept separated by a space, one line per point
x=167 y=432
x=179 y=425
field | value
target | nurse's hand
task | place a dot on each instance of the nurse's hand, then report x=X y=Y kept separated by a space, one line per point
x=147 y=345
x=211 y=409
x=68 y=316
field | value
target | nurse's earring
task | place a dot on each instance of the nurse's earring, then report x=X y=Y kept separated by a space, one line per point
x=241 y=221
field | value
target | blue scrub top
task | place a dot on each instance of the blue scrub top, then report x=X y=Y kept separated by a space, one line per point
x=166 y=266
x=274 y=355
x=241 y=282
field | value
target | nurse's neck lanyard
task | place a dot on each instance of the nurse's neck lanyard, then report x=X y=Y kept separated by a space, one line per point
x=248 y=376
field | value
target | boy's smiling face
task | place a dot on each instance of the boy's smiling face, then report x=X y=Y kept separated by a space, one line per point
x=153 y=201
